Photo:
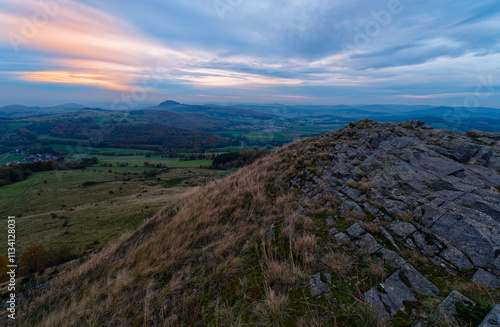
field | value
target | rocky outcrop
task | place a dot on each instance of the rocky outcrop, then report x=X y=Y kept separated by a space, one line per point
x=431 y=191
x=447 y=183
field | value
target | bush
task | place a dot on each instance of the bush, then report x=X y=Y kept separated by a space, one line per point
x=60 y=255
x=34 y=259
x=4 y=262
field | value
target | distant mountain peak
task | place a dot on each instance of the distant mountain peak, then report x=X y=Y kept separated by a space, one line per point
x=169 y=103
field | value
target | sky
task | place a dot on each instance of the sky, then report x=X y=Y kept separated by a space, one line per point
x=124 y=54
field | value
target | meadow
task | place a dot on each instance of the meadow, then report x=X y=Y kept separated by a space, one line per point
x=82 y=210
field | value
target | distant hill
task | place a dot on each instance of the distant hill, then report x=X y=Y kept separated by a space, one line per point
x=24 y=111
x=214 y=111
x=125 y=135
x=67 y=106
x=182 y=120
x=18 y=110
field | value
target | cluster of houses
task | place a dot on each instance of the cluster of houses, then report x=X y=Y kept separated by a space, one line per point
x=32 y=158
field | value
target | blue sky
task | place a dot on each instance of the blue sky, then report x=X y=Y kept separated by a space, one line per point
x=124 y=54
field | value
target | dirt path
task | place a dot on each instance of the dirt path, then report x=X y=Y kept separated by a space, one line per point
x=128 y=199
x=5 y=157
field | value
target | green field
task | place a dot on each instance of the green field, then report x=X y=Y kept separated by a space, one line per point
x=7 y=157
x=84 y=210
x=139 y=161
x=89 y=150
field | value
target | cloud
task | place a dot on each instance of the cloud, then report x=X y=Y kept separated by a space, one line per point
x=99 y=49
x=292 y=50
x=83 y=78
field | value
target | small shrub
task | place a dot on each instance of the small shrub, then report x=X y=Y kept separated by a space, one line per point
x=59 y=255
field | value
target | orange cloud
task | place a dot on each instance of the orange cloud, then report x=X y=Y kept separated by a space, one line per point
x=91 y=47
x=79 y=78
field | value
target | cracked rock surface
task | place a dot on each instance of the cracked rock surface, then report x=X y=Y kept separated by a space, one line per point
x=406 y=188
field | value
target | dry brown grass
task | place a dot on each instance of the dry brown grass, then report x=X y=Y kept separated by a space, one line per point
x=377 y=270
x=271 y=311
x=339 y=263
x=482 y=294
x=370 y=226
x=417 y=257
x=353 y=217
x=363 y=187
x=294 y=223
x=323 y=156
x=283 y=273
x=405 y=216
x=333 y=200
x=304 y=242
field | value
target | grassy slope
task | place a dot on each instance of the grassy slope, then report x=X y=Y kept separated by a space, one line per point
x=209 y=260
x=202 y=239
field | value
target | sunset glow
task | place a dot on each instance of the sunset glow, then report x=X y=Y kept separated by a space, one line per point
x=115 y=45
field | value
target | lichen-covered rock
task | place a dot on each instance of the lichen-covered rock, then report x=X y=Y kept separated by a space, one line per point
x=402 y=228
x=395 y=293
x=418 y=282
x=355 y=230
x=448 y=308
x=389 y=258
x=482 y=276
x=367 y=244
x=492 y=319
x=342 y=238
x=317 y=286
x=456 y=258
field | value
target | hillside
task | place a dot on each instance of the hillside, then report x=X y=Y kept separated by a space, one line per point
x=181 y=120
x=396 y=216
x=116 y=134
x=212 y=110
